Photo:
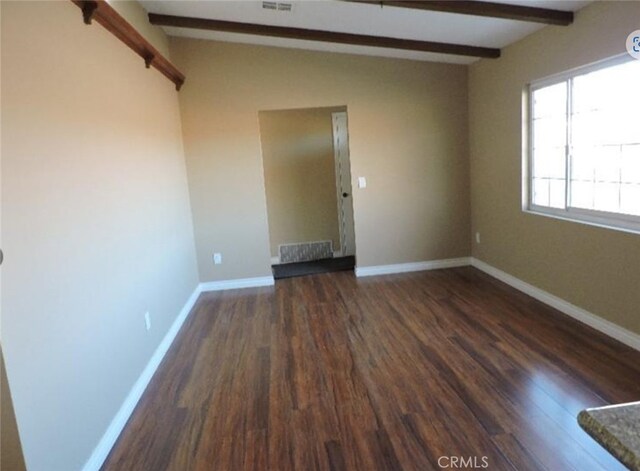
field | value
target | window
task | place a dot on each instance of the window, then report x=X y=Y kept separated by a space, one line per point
x=584 y=145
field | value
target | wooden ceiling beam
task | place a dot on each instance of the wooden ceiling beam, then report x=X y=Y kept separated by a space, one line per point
x=479 y=8
x=323 y=36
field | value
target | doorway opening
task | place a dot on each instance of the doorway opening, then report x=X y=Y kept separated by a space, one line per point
x=307 y=175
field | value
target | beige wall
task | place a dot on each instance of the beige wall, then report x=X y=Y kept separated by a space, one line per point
x=300 y=176
x=594 y=268
x=96 y=225
x=408 y=136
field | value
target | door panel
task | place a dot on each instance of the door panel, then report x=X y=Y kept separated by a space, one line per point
x=343 y=183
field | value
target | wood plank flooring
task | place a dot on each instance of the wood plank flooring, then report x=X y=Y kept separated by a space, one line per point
x=330 y=372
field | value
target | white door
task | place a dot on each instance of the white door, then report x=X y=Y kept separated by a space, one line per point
x=343 y=183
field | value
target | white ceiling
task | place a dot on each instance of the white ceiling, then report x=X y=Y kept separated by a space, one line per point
x=356 y=18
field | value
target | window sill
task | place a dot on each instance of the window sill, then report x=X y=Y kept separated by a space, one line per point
x=624 y=226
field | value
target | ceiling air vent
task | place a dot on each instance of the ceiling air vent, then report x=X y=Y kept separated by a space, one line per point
x=285 y=6
x=277 y=6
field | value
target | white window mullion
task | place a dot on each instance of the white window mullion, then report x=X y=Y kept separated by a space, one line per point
x=531 y=131
x=567 y=174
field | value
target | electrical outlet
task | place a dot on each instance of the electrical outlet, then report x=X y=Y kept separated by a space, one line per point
x=147 y=320
x=217 y=258
x=477 y=237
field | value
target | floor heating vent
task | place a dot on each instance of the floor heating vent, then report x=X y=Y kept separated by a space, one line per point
x=305 y=252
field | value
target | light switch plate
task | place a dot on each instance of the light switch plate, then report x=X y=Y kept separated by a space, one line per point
x=362 y=182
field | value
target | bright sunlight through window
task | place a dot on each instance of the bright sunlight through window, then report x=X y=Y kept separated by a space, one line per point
x=584 y=158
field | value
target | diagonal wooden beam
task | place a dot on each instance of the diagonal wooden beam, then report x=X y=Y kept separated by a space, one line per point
x=479 y=8
x=107 y=16
x=324 y=36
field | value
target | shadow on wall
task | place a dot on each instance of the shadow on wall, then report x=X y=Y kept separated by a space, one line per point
x=10 y=449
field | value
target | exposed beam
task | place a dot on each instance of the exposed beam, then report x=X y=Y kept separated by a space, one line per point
x=324 y=36
x=479 y=8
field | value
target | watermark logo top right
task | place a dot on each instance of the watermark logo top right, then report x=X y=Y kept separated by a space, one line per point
x=633 y=44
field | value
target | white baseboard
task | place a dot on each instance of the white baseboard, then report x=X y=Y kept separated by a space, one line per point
x=101 y=451
x=615 y=331
x=237 y=284
x=414 y=266
x=116 y=426
x=621 y=334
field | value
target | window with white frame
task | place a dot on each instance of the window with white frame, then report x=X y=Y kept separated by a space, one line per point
x=584 y=145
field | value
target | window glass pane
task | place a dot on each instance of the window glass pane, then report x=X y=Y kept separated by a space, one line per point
x=550 y=132
x=582 y=194
x=550 y=101
x=630 y=164
x=605 y=139
x=583 y=163
x=557 y=193
x=540 y=191
x=597 y=163
x=549 y=141
x=610 y=88
x=603 y=127
x=607 y=164
x=549 y=162
x=606 y=197
x=630 y=199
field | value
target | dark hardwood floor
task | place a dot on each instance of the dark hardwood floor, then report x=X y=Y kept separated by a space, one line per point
x=332 y=372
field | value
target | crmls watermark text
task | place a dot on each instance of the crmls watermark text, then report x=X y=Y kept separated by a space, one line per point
x=466 y=462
